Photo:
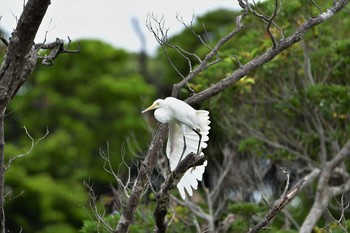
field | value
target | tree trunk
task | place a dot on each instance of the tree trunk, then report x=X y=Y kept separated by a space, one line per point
x=323 y=192
x=18 y=64
x=2 y=173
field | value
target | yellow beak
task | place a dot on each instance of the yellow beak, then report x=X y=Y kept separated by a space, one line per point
x=153 y=106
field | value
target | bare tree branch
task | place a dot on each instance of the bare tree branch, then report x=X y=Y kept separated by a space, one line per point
x=278 y=206
x=323 y=192
x=190 y=28
x=107 y=166
x=33 y=144
x=98 y=218
x=205 y=63
x=57 y=48
x=17 y=65
x=163 y=196
x=195 y=209
x=274 y=14
x=344 y=204
x=146 y=168
x=3 y=40
x=295 y=37
x=2 y=175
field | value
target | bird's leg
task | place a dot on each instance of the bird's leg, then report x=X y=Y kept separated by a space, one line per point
x=200 y=140
x=184 y=149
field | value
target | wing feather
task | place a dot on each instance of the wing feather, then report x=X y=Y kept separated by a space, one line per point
x=175 y=147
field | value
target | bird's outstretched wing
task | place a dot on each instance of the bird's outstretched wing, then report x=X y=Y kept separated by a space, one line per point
x=175 y=148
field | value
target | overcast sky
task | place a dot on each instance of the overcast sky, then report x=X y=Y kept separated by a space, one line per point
x=110 y=20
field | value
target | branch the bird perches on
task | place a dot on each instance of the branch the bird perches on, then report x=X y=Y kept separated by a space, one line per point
x=163 y=196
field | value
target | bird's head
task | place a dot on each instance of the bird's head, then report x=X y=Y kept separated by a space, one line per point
x=156 y=104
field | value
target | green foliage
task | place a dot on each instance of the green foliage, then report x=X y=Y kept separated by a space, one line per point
x=90 y=226
x=245 y=209
x=333 y=100
x=246 y=213
x=46 y=202
x=275 y=114
x=143 y=221
x=333 y=227
x=94 y=97
x=85 y=100
x=251 y=145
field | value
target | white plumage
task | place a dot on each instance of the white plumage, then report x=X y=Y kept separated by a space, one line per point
x=184 y=125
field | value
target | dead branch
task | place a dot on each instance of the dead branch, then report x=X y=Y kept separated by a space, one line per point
x=190 y=28
x=323 y=191
x=226 y=223
x=278 y=206
x=98 y=217
x=141 y=182
x=163 y=196
x=206 y=62
x=3 y=40
x=33 y=144
x=317 y=6
x=268 y=20
x=161 y=35
x=107 y=166
x=16 y=67
x=56 y=48
x=215 y=205
x=274 y=14
x=344 y=205
x=195 y=209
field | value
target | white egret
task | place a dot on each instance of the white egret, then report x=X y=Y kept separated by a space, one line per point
x=188 y=132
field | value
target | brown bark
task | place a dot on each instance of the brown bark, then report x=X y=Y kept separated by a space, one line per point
x=141 y=182
x=163 y=196
x=2 y=173
x=18 y=64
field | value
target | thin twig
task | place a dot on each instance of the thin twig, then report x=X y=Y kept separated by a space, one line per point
x=107 y=166
x=192 y=30
x=3 y=40
x=269 y=24
x=317 y=6
x=205 y=63
x=33 y=144
x=99 y=218
x=286 y=187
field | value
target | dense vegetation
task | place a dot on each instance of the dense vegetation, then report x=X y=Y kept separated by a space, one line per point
x=91 y=102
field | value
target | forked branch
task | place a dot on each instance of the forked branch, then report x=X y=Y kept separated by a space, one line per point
x=33 y=144
x=56 y=48
x=206 y=62
x=163 y=196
